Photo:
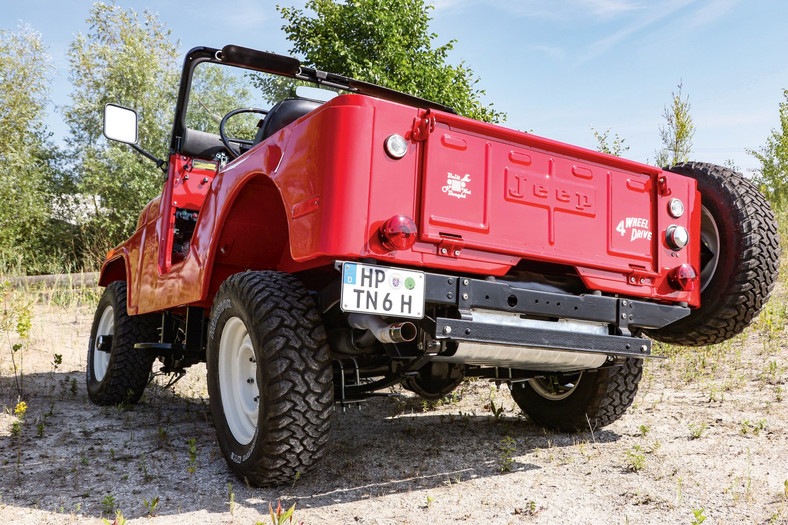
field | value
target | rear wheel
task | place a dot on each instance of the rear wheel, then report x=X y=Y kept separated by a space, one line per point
x=269 y=377
x=740 y=257
x=116 y=371
x=583 y=401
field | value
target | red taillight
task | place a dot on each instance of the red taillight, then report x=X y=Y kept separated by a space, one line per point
x=398 y=233
x=683 y=277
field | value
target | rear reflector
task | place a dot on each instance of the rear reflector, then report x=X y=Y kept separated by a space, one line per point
x=683 y=277
x=398 y=233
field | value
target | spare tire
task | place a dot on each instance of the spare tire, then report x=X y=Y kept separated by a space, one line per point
x=740 y=257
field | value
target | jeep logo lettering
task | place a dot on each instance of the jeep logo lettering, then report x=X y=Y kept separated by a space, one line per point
x=545 y=191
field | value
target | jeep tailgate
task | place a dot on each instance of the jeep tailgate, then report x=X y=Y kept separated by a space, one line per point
x=499 y=190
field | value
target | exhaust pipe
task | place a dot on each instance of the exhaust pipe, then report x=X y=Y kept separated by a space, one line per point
x=383 y=332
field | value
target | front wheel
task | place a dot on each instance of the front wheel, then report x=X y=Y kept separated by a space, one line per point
x=116 y=371
x=269 y=377
x=582 y=401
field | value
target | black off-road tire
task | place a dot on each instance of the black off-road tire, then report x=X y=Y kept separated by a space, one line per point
x=596 y=399
x=128 y=370
x=283 y=333
x=747 y=262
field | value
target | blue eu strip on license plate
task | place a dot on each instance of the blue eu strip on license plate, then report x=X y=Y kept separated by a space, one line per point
x=381 y=290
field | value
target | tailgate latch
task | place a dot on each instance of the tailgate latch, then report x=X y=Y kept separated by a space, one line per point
x=423 y=126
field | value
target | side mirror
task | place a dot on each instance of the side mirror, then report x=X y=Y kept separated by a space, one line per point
x=120 y=124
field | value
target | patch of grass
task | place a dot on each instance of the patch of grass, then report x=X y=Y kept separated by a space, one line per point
x=151 y=505
x=506 y=450
x=231 y=497
x=746 y=427
x=697 y=430
x=698 y=516
x=280 y=516
x=192 y=456
x=635 y=459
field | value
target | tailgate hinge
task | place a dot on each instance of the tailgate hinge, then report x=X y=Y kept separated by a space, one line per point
x=423 y=126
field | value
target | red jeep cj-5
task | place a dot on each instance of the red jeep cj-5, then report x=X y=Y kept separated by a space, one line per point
x=351 y=238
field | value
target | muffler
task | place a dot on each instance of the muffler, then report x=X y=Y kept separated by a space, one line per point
x=385 y=333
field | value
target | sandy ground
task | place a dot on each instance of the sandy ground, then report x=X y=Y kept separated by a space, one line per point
x=708 y=431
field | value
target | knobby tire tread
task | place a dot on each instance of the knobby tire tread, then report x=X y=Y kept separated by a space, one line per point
x=606 y=395
x=299 y=395
x=129 y=368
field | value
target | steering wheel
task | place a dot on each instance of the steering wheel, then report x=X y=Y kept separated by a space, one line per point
x=226 y=139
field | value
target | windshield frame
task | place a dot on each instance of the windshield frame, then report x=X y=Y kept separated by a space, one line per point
x=251 y=59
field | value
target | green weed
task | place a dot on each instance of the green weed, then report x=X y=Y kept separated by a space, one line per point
x=696 y=431
x=231 y=496
x=280 y=516
x=151 y=505
x=752 y=428
x=506 y=451
x=699 y=517
x=192 y=456
x=108 y=504
x=636 y=459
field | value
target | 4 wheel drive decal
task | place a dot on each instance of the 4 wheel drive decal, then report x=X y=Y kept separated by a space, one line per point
x=638 y=227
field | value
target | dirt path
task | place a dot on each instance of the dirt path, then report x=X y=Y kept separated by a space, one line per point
x=708 y=431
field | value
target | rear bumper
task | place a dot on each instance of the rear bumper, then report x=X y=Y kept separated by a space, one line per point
x=623 y=315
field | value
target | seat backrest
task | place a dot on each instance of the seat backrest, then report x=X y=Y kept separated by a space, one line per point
x=282 y=114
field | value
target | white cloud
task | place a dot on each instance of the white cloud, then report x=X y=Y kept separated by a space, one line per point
x=711 y=12
x=654 y=14
x=608 y=8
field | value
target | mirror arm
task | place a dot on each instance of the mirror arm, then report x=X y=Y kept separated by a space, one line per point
x=162 y=165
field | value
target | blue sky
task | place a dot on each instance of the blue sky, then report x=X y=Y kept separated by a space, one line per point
x=556 y=67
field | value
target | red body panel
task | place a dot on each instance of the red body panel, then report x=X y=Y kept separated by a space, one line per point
x=484 y=197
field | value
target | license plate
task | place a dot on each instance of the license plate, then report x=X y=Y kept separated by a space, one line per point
x=380 y=290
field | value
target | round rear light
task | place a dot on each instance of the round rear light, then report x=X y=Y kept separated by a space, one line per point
x=675 y=208
x=396 y=146
x=398 y=233
x=683 y=277
x=677 y=237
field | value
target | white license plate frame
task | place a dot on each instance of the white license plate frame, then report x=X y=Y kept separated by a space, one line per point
x=382 y=290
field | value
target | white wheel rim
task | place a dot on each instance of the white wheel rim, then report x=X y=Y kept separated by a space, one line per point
x=238 y=381
x=554 y=390
x=106 y=326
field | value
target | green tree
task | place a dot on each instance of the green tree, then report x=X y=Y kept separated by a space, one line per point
x=387 y=43
x=604 y=144
x=125 y=58
x=678 y=131
x=27 y=168
x=773 y=156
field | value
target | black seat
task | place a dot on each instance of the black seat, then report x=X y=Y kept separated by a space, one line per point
x=285 y=112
